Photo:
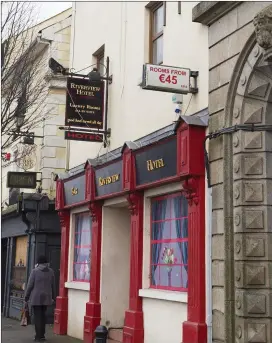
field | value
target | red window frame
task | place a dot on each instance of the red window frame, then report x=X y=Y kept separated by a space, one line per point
x=168 y=196
x=81 y=246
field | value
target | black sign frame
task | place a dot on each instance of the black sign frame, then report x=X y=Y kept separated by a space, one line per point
x=162 y=156
x=84 y=136
x=84 y=95
x=30 y=180
x=109 y=179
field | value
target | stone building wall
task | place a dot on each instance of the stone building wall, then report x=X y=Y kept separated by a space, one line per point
x=240 y=163
x=53 y=154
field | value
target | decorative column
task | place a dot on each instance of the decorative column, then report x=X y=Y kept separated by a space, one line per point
x=61 y=311
x=195 y=328
x=134 y=326
x=93 y=307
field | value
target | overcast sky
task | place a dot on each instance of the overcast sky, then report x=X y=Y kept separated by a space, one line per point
x=49 y=9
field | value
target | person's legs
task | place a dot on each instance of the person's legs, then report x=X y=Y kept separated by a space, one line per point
x=37 y=321
x=43 y=321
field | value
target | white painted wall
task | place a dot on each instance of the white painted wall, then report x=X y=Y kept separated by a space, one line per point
x=77 y=300
x=164 y=311
x=115 y=265
x=124 y=29
x=163 y=321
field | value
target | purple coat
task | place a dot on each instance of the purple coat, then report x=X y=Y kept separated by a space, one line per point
x=41 y=286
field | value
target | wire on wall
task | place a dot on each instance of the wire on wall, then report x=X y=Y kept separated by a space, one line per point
x=230 y=130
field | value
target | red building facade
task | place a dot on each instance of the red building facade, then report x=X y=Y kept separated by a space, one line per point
x=176 y=158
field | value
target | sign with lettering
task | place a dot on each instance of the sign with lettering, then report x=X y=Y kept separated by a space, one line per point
x=156 y=163
x=108 y=180
x=74 y=190
x=84 y=103
x=21 y=179
x=153 y=165
x=82 y=136
x=166 y=79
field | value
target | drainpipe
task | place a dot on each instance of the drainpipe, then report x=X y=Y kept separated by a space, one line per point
x=209 y=263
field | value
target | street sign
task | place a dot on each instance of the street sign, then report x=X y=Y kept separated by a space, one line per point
x=21 y=179
x=166 y=78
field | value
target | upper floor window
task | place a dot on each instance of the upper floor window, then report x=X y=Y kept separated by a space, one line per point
x=82 y=247
x=156 y=30
x=100 y=60
x=169 y=242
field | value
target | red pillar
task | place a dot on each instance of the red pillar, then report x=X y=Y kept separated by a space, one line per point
x=61 y=311
x=195 y=328
x=134 y=326
x=93 y=307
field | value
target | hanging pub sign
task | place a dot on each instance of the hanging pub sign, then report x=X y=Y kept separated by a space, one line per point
x=84 y=103
x=166 y=78
x=21 y=179
x=83 y=136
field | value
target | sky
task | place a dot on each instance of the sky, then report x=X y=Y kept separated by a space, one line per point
x=49 y=9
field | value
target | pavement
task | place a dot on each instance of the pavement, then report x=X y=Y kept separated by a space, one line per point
x=13 y=332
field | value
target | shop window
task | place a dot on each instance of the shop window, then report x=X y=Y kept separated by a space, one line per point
x=18 y=280
x=169 y=242
x=82 y=247
x=157 y=21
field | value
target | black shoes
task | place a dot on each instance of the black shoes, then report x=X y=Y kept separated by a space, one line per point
x=39 y=339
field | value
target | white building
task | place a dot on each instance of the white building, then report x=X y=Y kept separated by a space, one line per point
x=122 y=31
x=24 y=237
x=130 y=34
x=52 y=38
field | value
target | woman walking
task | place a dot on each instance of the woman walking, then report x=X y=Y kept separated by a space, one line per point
x=40 y=292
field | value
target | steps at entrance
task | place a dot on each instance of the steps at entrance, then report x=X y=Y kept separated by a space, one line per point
x=115 y=336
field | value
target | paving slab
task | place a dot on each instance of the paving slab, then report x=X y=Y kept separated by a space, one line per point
x=13 y=332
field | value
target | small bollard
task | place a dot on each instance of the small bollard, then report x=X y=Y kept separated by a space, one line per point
x=101 y=334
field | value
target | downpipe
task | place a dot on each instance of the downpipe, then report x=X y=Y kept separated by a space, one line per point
x=209 y=263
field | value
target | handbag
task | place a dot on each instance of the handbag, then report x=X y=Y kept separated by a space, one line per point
x=25 y=317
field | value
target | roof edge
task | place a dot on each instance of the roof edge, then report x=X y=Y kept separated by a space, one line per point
x=207 y=12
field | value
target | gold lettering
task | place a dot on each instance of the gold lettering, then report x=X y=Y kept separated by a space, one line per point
x=156 y=164
x=149 y=165
x=108 y=180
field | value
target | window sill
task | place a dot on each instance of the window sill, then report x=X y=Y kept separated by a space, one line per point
x=181 y=297
x=83 y=286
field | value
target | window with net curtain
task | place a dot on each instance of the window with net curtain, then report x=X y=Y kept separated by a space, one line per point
x=157 y=18
x=169 y=242
x=82 y=247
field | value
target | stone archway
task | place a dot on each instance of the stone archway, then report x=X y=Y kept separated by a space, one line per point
x=248 y=192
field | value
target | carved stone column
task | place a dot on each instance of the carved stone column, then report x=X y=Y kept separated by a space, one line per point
x=134 y=326
x=93 y=307
x=61 y=311
x=195 y=328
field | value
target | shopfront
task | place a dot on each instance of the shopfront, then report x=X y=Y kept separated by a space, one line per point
x=29 y=228
x=133 y=240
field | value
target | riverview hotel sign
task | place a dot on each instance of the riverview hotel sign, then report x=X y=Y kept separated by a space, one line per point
x=84 y=110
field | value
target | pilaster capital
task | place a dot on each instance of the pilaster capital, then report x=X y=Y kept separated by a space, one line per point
x=135 y=201
x=191 y=190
